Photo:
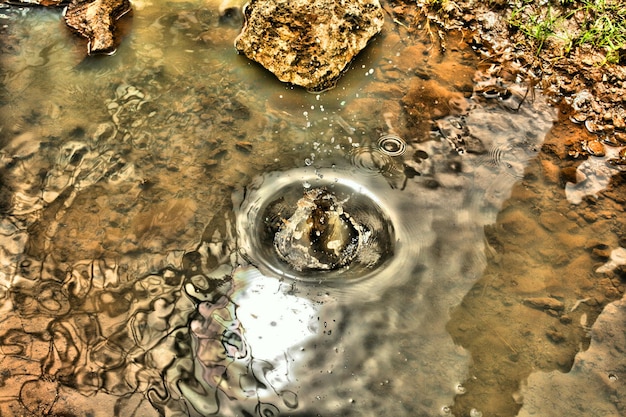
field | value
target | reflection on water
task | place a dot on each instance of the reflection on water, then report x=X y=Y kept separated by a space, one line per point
x=133 y=280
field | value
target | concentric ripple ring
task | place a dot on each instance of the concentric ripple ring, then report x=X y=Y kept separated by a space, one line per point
x=272 y=213
x=392 y=145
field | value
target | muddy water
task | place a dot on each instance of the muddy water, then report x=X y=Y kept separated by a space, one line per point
x=134 y=280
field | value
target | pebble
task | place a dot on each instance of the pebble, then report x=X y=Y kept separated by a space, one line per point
x=544 y=303
x=594 y=148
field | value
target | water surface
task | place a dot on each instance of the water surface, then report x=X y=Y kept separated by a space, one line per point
x=129 y=285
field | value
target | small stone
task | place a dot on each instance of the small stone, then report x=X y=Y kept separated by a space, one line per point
x=593 y=127
x=553 y=221
x=568 y=174
x=565 y=319
x=601 y=253
x=618 y=121
x=544 y=303
x=595 y=244
x=555 y=336
x=245 y=147
x=590 y=216
x=594 y=148
x=620 y=136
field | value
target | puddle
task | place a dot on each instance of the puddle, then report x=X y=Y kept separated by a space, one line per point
x=151 y=202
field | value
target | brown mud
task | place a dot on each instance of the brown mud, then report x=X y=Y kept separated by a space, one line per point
x=541 y=291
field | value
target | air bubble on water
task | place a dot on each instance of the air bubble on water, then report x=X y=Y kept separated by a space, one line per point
x=612 y=377
x=307 y=162
x=445 y=410
x=460 y=389
x=306 y=184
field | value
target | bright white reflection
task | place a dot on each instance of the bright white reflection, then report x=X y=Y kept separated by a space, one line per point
x=275 y=319
x=592 y=176
x=618 y=257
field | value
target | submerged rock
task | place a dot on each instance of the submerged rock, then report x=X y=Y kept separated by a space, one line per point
x=95 y=20
x=308 y=43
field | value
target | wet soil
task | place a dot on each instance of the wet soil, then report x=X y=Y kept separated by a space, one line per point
x=543 y=287
x=590 y=89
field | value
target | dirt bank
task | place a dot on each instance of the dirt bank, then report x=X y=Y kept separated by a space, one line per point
x=586 y=81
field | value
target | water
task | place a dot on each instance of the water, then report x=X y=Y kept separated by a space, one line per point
x=134 y=281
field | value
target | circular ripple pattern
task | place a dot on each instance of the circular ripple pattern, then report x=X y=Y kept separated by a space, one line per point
x=314 y=227
x=371 y=160
x=392 y=145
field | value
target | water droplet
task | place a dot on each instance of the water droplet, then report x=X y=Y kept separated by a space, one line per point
x=460 y=389
x=613 y=377
x=308 y=162
x=446 y=410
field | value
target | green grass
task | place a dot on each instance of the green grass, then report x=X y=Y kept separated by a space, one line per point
x=600 y=23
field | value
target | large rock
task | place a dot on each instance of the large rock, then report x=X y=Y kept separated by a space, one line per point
x=308 y=42
x=95 y=20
